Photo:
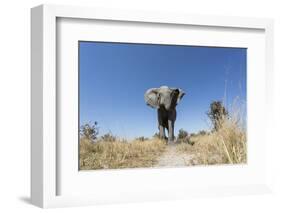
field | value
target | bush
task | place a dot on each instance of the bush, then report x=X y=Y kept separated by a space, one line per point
x=142 y=138
x=202 y=132
x=89 y=132
x=182 y=134
x=108 y=137
x=217 y=113
x=183 y=137
x=192 y=134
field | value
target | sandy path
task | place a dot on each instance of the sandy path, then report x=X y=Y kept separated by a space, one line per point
x=172 y=158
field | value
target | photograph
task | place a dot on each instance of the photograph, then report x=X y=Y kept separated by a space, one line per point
x=147 y=105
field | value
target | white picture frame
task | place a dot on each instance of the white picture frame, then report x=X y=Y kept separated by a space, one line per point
x=45 y=166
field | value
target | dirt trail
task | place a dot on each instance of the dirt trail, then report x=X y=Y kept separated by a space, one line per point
x=172 y=158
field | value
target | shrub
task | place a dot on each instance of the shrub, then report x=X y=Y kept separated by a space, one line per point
x=89 y=132
x=202 y=132
x=142 y=138
x=108 y=137
x=183 y=137
x=182 y=134
x=192 y=134
x=217 y=113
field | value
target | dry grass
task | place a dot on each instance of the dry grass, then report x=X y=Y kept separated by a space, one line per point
x=120 y=154
x=225 y=146
x=232 y=140
x=204 y=151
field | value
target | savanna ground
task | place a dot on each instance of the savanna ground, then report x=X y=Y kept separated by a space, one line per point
x=224 y=144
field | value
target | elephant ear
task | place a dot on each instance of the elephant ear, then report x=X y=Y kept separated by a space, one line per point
x=181 y=94
x=151 y=97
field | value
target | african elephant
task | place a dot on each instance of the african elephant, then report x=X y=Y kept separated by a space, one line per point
x=165 y=100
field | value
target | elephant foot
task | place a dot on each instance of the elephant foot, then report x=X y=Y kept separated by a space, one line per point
x=171 y=142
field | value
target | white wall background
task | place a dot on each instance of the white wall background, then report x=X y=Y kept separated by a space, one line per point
x=15 y=104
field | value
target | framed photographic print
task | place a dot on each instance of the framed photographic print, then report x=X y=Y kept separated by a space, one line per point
x=129 y=106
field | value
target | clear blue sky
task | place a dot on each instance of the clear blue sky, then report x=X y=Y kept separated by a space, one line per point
x=115 y=76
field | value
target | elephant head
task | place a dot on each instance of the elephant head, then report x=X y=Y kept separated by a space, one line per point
x=164 y=97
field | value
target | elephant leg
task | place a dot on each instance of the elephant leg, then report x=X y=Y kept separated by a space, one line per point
x=161 y=123
x=161 y=132
x=171 y=131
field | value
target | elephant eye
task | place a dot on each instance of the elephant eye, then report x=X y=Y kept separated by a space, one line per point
x=158 y=97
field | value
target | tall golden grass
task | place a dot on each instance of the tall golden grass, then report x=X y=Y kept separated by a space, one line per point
x=119 y=154
x=227 y=145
